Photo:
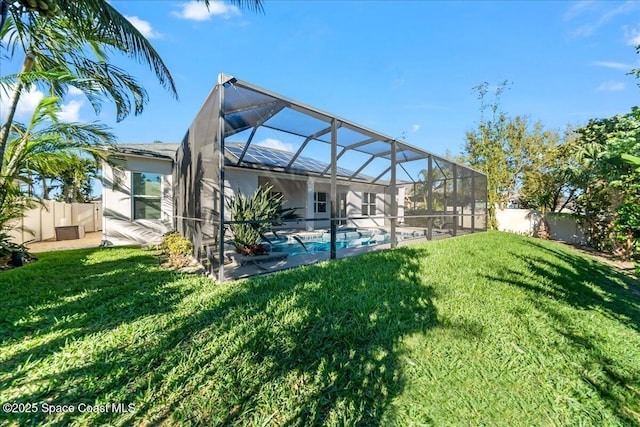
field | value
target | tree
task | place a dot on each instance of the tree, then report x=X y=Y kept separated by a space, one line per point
x=56 y=37
x=504 y=148
x=631 y=160
x=610 y=197
x=483 y=147
x=549 y=182
x=44 y=141
x=76 y=176
x=636 y=71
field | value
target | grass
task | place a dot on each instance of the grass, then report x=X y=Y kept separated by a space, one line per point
x=487 y=329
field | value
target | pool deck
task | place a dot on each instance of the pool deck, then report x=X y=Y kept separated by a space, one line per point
x=91 y=240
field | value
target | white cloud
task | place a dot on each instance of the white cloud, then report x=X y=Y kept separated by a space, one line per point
x=611 y=86
x=598 y=17
x=632 y=35
x=276 y=144
x=27 y=103
x=144 y=27
x=579 y=8
x=415 y=128
x=70 y=112
x=198 y=11
x=74 y=91
x=614 y=65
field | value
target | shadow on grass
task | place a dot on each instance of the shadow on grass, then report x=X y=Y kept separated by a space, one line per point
x=584 y=285
x=64 y=298
x=313 y=346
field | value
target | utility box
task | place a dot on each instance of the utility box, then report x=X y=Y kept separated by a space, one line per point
x=70 y=232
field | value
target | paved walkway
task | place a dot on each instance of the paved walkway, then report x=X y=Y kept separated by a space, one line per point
x=91 y=240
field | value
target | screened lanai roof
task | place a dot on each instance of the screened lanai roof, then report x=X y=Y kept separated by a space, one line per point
x=274 y=159
x=252 y=114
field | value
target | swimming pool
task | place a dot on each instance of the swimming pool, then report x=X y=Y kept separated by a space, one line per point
x=321 y=242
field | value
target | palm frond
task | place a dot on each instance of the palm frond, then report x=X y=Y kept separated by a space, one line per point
x=97 y=19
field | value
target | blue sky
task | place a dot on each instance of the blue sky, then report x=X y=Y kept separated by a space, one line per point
x=399 y=67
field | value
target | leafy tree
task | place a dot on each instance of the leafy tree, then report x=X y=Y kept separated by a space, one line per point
x=57 y=37
x=610 y=197
x=507 y=149
x=636 y=71
x=484 y=148
x=549 y=182
x=632 y=160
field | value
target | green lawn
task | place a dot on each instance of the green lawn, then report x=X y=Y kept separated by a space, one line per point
x=488 y=329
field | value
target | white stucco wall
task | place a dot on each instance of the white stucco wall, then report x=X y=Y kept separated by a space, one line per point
x=298 y=193
x=526 y=221
x=244 y=181
x=354 y=206
x=118 y=227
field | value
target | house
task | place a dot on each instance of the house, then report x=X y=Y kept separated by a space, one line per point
x=347 y=184
x=137 y=193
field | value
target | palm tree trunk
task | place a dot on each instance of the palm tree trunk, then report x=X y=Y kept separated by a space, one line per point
x=45 y=189
x=27 y=65
x=13 y=165
x=74 y=191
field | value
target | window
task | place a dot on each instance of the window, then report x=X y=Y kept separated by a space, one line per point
x=319 y=202
x=368 y=204
x=147 y=195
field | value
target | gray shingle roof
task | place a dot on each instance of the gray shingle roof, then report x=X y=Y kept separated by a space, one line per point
x=160 y=150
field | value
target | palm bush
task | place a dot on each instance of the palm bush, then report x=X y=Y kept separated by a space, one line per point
x=252 y=217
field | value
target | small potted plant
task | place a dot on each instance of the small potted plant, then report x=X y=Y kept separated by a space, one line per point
x=12 y=254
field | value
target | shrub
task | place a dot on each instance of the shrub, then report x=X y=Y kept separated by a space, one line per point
x=12 y=254
x=178 y=249
x=260 y=207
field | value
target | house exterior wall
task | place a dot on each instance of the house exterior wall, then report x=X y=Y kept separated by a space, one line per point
x=354 y=206
x=298 y=192
x=294 y=193
x=118 y=226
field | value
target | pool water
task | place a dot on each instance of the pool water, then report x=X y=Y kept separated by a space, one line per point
x=323 y=244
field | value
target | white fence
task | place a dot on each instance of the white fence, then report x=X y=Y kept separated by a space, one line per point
x=39 y=223
x=526 y=221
